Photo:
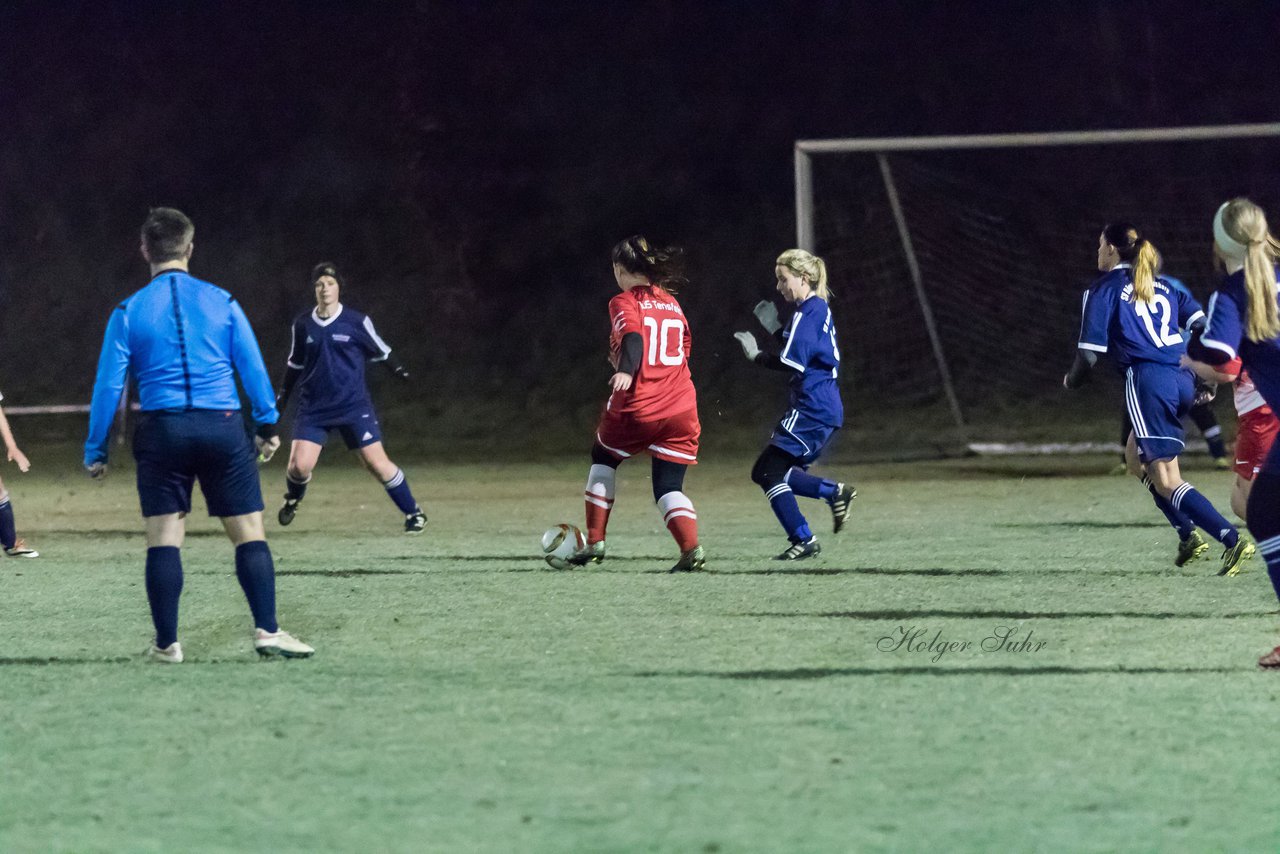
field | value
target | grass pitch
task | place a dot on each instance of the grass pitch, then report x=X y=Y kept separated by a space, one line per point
x=995 y=655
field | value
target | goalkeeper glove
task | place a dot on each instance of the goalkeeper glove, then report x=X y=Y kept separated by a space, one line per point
x=767 y=313
x=749 y=347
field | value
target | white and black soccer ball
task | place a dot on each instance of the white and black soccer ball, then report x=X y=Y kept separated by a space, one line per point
x=559 y=544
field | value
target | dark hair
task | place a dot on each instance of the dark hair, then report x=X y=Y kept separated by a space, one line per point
x=1135 y=249
x=661 y=266
x=167 y=233
x=326 y=268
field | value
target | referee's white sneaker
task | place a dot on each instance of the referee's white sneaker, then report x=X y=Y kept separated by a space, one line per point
x=171 y=654
x=21 y=549
x=280 y=643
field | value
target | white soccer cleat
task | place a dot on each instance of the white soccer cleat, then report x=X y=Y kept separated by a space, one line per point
x=21 y=549
x=171 y=654
x=280 y=643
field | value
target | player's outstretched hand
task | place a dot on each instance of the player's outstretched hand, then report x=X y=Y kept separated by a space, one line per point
x=97 y=471
x=620 y=381
x=266 y=447
x=16 y=456
x=750 y=348
x=767 y=313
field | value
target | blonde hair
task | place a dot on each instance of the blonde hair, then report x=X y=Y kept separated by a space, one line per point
x=809 y=267
x=1141 y=253
x=1246 y=224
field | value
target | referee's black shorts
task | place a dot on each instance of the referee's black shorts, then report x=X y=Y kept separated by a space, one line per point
x=174 y=449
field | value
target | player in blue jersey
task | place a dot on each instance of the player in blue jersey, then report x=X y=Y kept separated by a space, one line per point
x=185 y=341
x=1244 y=322
x=330 y=345
x=812 y=358
x=1135 y=317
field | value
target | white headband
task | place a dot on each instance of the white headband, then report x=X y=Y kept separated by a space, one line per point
x=1227 y=245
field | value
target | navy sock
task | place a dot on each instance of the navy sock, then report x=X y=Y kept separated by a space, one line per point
x=810 y=486
x=1264 y=522
x=783 y=502
x=398 y=489
x=1213 y=438
x=164 y=588
x=1198 y=508
x=295 y=489
x=8 y=530
x=1176 y=517
x=257 y=574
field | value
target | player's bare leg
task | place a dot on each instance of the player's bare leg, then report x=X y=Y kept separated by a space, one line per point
x=374 y=458
x=303 y=456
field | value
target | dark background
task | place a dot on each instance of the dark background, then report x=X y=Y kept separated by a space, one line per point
x=469 y=165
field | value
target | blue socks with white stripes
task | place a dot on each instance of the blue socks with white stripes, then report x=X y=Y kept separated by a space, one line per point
x=783 y=502
x=256 y=572
x=811 y=486
x=164 y=588
x=398 y=488
x=1176 y=517
x=1195 y=506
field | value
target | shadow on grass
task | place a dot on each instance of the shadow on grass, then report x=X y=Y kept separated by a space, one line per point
x=1090 y=523
x=40 y=662
x=1014 y=615
x=828 y=672
x=857 y=570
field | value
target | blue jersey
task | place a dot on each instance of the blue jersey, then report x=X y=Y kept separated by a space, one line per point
x=1131 y=331
x=331 y=352
x=1228 y=319
x=183 y=340
x=809 y=348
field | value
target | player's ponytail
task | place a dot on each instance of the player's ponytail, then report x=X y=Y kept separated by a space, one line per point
x=1136 y=250
x=1240 y=234
x=809 y=267
x=662 y=266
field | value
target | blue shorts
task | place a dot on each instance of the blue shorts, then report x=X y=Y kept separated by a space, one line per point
x=801 y=436
x=358 y=428
x=174 y=449
x=1156 y=397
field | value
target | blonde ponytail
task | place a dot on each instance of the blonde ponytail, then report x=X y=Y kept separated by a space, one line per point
x=1244 y=226
x=1144 y=272
x=808 y=266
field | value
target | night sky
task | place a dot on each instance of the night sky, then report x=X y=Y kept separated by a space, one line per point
x=470 y=164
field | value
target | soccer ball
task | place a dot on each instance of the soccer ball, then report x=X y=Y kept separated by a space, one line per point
x=559 y=543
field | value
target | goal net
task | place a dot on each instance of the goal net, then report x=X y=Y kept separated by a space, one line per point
x=958 y=266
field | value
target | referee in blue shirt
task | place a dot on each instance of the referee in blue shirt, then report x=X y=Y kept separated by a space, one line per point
x=184 y=340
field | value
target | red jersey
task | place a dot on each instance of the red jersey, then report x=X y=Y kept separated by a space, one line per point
x=662 y=386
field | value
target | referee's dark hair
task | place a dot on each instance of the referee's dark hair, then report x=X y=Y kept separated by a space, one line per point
x=167 y=234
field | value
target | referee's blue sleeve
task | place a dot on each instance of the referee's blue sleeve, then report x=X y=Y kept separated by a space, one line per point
x=247 y=359
x=113 y=365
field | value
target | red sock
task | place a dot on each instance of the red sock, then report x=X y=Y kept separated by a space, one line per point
x=680 y=518
x=597 y=517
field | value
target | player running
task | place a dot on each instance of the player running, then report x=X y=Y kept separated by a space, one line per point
x=1135 y=316
x=653 y=407
x=1244 y=322
x=330 y=345
x=186 y=341
x=812 y=357
x=1256 y=425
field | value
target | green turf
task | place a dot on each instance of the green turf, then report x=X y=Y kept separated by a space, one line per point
x=466 y=698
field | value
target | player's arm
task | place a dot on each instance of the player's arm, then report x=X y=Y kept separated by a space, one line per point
x=14 y=453
x=1227 y=372
x=752 y=351
x=1095 y=319
x=108 y=385
x=380 y=351
x=1219 y=341
x=628 y=325
x=293 y=365
x=1190 y=315
x=247 y=360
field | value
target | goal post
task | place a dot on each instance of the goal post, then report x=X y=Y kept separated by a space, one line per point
x=898 y=221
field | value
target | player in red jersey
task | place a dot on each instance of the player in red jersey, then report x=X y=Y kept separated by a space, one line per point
x=653 y=407
x=1256 y=425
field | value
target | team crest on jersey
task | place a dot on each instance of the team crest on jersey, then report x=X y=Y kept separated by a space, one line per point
x=344 y=338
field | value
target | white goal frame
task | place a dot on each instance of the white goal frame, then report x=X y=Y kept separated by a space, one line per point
x=806 y=149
